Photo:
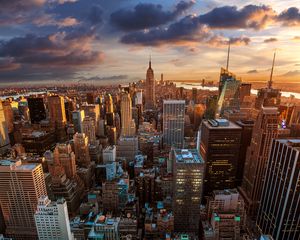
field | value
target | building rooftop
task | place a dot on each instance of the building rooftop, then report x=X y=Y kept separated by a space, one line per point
x=220 y=124
x=187 y=156
x=174 y=101
x=17 y=165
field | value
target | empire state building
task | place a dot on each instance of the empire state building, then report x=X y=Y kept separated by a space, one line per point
x=150 y=88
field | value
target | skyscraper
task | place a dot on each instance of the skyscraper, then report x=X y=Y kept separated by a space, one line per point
x=219 y=147
x=188 y=173
x=88 y=128
x=279 y=211
x=64 y=155
x=265 y=128
x=229 y=92
x=128 y=124
x=150 y=88
x=77 y=119
x=21 y=185
x=37 y=111
x=173 y=122
x=57 y=112
x=81 y=147
x=4 y=138
x=93 y=111
x=52 y=220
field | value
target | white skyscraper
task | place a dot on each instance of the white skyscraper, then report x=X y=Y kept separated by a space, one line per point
x=52 y=220
x=173 y=122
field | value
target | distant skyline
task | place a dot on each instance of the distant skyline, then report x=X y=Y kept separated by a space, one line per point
x=103 y=41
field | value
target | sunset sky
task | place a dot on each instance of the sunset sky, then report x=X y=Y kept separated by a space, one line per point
x=108 y=41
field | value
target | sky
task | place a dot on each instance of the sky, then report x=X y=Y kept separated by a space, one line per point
x=110 y=41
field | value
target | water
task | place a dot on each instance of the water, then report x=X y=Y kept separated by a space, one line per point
x=212 y=88
x=20 y=95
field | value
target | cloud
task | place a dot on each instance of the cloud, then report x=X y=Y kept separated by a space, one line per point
x=292 y=73
x=17 y=5
x=54 y=51
x=183 y=32
x=186 y=30
x=296 y=38
x=250 y=16
x=146 y=15
x=290 y=17
x=252 y=71
x=18 y=11
x=49 y=20
x=7 y=64
x=270 y=40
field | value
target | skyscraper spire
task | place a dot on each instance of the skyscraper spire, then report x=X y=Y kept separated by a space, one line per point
x=228 y=53
x=271 y=77
x=150 y=60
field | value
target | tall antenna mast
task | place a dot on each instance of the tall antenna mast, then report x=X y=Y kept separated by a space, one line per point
x=271 y=77
x=228 y=53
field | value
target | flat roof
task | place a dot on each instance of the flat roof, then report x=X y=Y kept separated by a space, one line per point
x=188 y=156
x=171 y=101
x=229 y=125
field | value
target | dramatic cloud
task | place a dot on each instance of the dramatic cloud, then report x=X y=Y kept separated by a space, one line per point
x=250 y=16
x=185 y=31
x=59 y=51
x=7 y=64
x=290 y=17
x=146 y=15
x=270 y=40
x=252 y=71
x=17 y=5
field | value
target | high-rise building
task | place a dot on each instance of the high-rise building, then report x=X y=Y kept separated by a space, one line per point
x=93 y=111
x=63 y=154
x=21 y=185
x=4 y=138
x=279 y=210
x=219 y=147
x=109 y=104
x=127 y=147
x=37 y=111
x=229 y=94
x=88 y=128
x=247 y=127
x=150 y=88
x=245 y=90
x=77 y=119
x=188 y=174
x=81 y=147
x=265 y=128
x=226 y=212
x=128 y=124
x=52 y=220
x=173 y=122
x=57 y=112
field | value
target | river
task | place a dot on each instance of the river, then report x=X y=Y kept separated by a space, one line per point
x=212 y=88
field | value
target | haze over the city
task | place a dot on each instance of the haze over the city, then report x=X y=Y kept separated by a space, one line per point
x=101 y=41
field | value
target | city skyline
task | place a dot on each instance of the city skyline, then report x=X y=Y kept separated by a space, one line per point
x=71 y=41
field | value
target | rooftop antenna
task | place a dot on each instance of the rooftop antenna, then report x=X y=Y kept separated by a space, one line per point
x=228 y=53
x=271 y=77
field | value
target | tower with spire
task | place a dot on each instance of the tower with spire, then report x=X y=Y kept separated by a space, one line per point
x=268 y=96
x=150 y=87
